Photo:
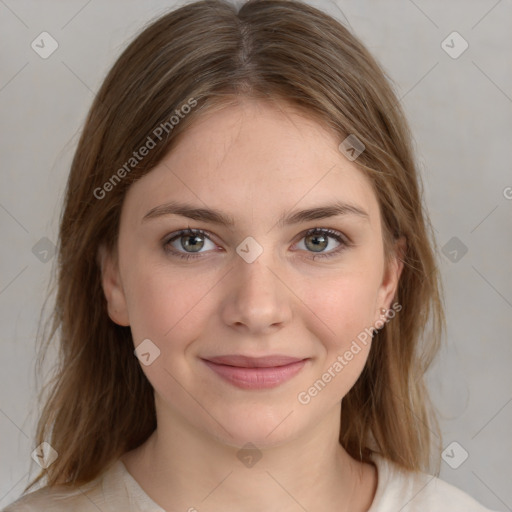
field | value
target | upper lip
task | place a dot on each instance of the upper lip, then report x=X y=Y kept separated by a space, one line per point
x=254 y=362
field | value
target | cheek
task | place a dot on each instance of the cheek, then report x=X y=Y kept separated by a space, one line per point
x=342 y=314
x=166 y=306
x=343 y=307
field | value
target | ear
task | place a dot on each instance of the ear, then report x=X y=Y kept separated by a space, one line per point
x=112 y=286
x=391 y=276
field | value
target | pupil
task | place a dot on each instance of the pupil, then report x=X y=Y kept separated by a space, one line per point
x=195 y=245
x=317 y=247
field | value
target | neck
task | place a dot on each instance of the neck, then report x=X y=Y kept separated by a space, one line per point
x=183 y=468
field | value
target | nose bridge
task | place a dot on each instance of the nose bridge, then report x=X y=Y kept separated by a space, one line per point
x=256 y=278
x=257 y=299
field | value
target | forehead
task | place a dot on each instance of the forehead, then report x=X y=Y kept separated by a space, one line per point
x=254 y=160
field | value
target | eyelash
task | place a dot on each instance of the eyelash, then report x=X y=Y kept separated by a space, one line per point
x=339 y=237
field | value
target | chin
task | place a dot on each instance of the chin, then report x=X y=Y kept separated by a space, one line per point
x=261 y=425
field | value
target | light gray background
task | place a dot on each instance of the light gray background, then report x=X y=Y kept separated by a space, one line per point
x=461 y=115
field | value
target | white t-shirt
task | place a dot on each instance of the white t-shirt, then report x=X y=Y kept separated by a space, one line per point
x=116 y=490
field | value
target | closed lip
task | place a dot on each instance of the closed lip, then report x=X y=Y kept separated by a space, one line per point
x=242 y=361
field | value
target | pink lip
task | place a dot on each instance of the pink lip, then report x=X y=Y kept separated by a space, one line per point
x=254 y=362
x=255 y=372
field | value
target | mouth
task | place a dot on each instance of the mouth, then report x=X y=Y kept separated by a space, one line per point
x=256 y=372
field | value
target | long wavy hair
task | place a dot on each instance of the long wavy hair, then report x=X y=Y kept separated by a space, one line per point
x=97 y=402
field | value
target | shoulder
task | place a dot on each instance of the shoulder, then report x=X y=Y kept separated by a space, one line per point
x=418 y=492
x=56 y=499
x=97 y=494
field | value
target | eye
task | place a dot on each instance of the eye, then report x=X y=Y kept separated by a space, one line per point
x=316 y=240
x=190 y=241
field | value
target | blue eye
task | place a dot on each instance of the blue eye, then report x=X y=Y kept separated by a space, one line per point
x=191 y=241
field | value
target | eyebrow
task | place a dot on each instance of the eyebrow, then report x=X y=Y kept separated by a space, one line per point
x=215 y=216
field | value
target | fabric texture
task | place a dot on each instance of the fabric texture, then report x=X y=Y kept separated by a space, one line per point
x=115 y=490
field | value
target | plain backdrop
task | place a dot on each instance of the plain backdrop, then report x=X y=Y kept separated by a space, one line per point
x=460 y=109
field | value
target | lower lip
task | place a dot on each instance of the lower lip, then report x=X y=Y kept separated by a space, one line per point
x=257 y=378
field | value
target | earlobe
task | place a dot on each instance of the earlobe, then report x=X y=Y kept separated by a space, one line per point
x=112 y=287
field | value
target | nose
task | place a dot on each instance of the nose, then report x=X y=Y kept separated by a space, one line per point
x=257 y=300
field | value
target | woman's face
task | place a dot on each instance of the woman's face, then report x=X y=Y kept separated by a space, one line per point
x=257 y=286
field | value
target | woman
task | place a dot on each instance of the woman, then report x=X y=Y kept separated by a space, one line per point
x=246 y=277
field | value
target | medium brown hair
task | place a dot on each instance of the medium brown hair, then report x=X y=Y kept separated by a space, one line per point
x=100 y=404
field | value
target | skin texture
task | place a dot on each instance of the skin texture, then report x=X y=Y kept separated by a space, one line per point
x=254 y=162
